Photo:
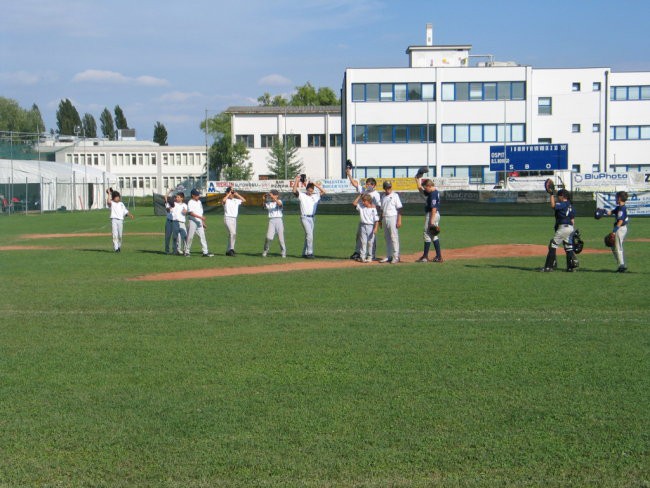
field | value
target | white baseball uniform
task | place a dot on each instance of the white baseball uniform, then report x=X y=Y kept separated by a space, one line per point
x=376 y=201
x=308 y=206
x=367 y=218
x=230 y=213
x=390 y=206
x=195 y=225
x=276 y=226
x=179 y=234
x=118 y=212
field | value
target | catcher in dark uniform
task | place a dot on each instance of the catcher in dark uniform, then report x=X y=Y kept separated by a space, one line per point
x=564 y=230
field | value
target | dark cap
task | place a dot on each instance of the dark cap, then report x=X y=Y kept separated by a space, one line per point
x=387 y=184
x=228 y=189
x=274 y=192
x=195 y=191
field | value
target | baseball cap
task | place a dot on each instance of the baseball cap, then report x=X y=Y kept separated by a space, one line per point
x=275 y=192
x=195 y=191
x=387 y=184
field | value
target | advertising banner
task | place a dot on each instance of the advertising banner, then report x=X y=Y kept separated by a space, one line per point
x=638 y=203
x=600 y=181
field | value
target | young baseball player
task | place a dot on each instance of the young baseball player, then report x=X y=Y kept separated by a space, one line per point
x=391 y=221
x=308 y=204
x=370 y=189
x=369 y=221
x=273 y=205
x=564 y=221
x=620 y=229
x=196 y=224
x=432 y=212
x=169 y=224
x=179 y=213
x=231 y=202
x=118 y=212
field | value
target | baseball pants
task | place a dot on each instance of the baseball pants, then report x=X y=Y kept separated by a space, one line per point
x=308 y=225
x=562 y=234
x=367 y=240
x=231 y=228
x=436 y=221
x=617 y=250
x=196 y=227
x=179 y=234
x=276 y=226
x=169 y=230
x=116 y=227
x=357 y=248
x=391 y=234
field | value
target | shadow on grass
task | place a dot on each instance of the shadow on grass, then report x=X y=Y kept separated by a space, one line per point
x=538 y=269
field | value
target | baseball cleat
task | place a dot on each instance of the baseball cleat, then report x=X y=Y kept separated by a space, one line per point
x=394 y=261
x=546 y=270
x=309 y=256
x=385 y=260
x=208 y=255
x=423 y=259
x=355 y=255
x=367 y=260
x=264 y=254
x=621 y=269
x=437 y=259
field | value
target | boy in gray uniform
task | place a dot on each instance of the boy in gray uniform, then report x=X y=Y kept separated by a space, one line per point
x=391 y=220
x=276 y=225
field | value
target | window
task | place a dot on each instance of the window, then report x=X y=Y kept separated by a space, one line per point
x=415 y=91
x=489 y=91
x=518 y=90
x=575 y=168
x=595 y=127
x=373 y=134
x=575 y=128
x=448 y=91
x=153 y=159
x=335 y=140
x=544 y=106
x=358 y=92
x=359 y=132
x=630 y=93
x=385 y=133
x=292 y=139
x=462 y=91
x=267 y=140
x=400 y=92
x=316 y=140
x=595 y=168
x=502 y=90
x=386 y=92
x=394 y=134
x=400 y=133
x=476 y=91
x=544 y=140
x=596 y=86
x=633 y=92
x=575 y=86
x=372 y=92
x=246 y=139
x=483 y=133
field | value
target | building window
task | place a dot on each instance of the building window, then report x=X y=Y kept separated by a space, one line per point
x=595 y=127
x=483 y=133
x=372 y=92
x=393 y=92
x=267 y=140
x=630 y=93
x=575 y=86
x=544 y=106
x=393 y=134
x=575 y=168
x=575 y=128
x=293 y=139
x=544 y=140
x=386 y=92
x=335 y=140
x=316 y=140
x=245 y=139
x=358 y=92
x=596 y=86
x=487 y=91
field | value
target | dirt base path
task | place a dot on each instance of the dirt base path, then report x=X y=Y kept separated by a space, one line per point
x=474 y=252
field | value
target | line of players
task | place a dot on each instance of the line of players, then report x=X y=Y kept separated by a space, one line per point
x=374 y=210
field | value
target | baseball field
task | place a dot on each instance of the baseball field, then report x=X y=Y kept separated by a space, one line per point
x=479 y=371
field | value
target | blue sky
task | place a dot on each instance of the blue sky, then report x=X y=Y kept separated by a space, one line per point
x=170 y=61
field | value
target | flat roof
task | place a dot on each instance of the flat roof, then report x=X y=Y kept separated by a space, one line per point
x=449 y=47
x=273 y=110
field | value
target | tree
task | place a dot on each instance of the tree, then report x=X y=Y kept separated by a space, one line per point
x=120 y=119
x=267 y=101
x=218 y=126
x=160 y=134
x=13 y=118
x=305 y=96
x=284 y=155
x=108 y=128
x=35 y=120
x=68 y=121
x=89 y=126
x=238 y=167
x=326 y=96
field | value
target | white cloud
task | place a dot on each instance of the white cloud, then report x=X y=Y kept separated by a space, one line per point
x=20 y=78
x=115 y=78
x=177 y=96
x=274 y=80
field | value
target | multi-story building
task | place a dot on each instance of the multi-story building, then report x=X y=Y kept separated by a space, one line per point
x=142 y=167
x=314 y=131
x=447 y=108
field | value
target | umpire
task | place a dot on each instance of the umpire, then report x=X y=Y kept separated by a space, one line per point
x=564 y=222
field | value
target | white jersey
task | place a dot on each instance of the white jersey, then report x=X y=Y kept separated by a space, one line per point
x=368 y=215
x=118 y=210
x=195 y=207
x=374 y=194
x=275 y=210
x=390 y=204
x=231 y=207
x=308 y=203
x=177 y=212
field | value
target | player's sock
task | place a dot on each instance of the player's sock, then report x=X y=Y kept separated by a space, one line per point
x=436 y=245
x=427 y=246
x=550 y=258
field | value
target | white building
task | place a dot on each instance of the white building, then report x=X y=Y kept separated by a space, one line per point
x=141 y=167
x=315 y=131
x=443 y=112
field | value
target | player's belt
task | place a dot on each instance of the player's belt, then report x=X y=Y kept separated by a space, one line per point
x=310 y=216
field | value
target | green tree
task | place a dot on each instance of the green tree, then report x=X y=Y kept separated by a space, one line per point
x=120 y=119
x=13 y=118
x=238 y=167
x=218 y=126
x=68 y=121
x=160 y=134
x=326 y=96
x=106 y=122
x=283 y=159
x=267 y=100
x=89 y=126
x=305 y=96
x=35 y=120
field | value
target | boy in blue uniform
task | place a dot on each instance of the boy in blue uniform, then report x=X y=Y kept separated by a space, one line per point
x=620 y=229
x=564 y=221
x=432 y=211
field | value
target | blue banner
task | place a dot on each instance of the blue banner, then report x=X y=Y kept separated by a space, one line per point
x=529 y=157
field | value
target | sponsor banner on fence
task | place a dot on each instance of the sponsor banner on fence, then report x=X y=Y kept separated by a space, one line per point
x=600 y=181
x=526 y=183
x=639 y=180
x=638 y=203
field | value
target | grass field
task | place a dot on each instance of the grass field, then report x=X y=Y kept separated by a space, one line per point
x=469 y=373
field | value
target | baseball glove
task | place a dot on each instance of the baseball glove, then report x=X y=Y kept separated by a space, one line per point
x=434 y=230
x=549 y=186
x=578 y=243
x=423 y=170
x=610 y=239
x=599 y=213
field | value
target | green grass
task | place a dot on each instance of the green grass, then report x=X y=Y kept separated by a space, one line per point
x=470 y=373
